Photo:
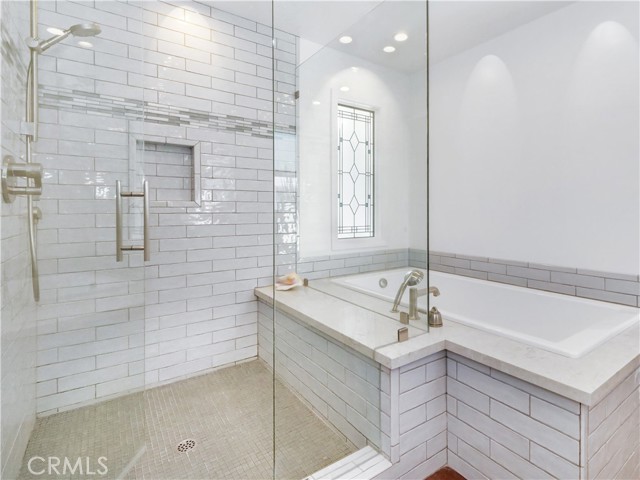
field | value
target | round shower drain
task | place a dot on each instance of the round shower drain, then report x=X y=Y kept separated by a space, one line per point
x=186 y=445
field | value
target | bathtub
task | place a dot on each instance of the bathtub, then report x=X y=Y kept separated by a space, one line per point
x=562 y=324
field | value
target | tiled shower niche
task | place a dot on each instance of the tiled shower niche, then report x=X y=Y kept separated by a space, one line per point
x=173 y=171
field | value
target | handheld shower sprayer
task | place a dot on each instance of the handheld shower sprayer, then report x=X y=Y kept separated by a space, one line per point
x=30 y=126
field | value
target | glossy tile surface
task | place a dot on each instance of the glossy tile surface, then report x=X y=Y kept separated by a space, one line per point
x=229 y=415
x=586 y=380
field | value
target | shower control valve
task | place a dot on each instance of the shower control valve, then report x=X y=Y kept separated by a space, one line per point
x=12 y=171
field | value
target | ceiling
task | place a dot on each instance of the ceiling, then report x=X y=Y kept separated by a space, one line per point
x=454 y=25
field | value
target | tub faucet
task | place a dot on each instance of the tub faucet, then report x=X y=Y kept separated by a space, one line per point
x=411 y=279
x=414 y=293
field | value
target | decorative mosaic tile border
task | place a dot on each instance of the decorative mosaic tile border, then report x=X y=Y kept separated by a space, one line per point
x=604 y=286
x=140 y=110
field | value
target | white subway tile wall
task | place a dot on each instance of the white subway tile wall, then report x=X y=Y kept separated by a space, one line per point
x=605 y=286
x=502 y=427
x=414 y=418
x=341 y=385
x=173 y=75
x=402 y=413
x=18 y=332
x=353 y=263
x=613 y=439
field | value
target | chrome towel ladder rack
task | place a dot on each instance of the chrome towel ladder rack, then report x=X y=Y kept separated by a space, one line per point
x=145 y=235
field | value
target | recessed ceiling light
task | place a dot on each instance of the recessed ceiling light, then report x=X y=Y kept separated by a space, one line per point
x=346 y=39
x=354 y=69
x=389 y=49
x=84 y=44
x=55 y=31
x=344 y=89
x=316 y=102
x=400 y=37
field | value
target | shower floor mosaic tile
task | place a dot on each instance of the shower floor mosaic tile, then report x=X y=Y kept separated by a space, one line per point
x=228 y=414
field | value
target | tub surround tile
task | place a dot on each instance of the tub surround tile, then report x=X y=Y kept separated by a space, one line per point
x=606 y=296
x=365 y=332
x=469 y=404
x=400 y=412
x=612 y=431
x=586 y=380
x=507 y=440
x=417 y=413
x=519 y=282
x=618 y=276
x=341 y=385
x=555 y=417
x=622 y=286
x=604 y=286
x=327 y=266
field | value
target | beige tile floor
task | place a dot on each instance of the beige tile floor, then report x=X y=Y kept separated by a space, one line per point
x=229 y=414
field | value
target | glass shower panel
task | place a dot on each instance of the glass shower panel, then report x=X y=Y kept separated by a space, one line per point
x=90 y=317
x=172 y=105
x=358 y=171
x=18 y=309
x=206 y=151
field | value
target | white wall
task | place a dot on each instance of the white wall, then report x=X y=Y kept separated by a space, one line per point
x=389 y=94
x=534 y=153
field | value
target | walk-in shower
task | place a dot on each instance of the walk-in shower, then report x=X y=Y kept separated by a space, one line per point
x=190 y=111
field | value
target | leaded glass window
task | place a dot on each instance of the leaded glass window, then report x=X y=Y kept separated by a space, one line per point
x=355 y=172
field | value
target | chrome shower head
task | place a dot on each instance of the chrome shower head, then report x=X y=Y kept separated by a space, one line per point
x=79 y=30
x=85 y=30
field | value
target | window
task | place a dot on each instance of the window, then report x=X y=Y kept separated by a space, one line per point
x=355 y=172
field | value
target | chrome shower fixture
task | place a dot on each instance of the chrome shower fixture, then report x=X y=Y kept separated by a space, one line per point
x=32 y=172
x=411 y=279
x=79 y=30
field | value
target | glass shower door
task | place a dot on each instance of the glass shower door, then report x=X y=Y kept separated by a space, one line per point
x=350 y=199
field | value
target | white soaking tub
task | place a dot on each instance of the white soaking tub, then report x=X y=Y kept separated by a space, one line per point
x=569 y=326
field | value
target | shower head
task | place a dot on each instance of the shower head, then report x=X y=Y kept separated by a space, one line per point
x=413 y=277
x=79 y=30
x=85 y=30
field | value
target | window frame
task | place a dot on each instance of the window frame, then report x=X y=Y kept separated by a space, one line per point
x=353 y=243
x=371 y=194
